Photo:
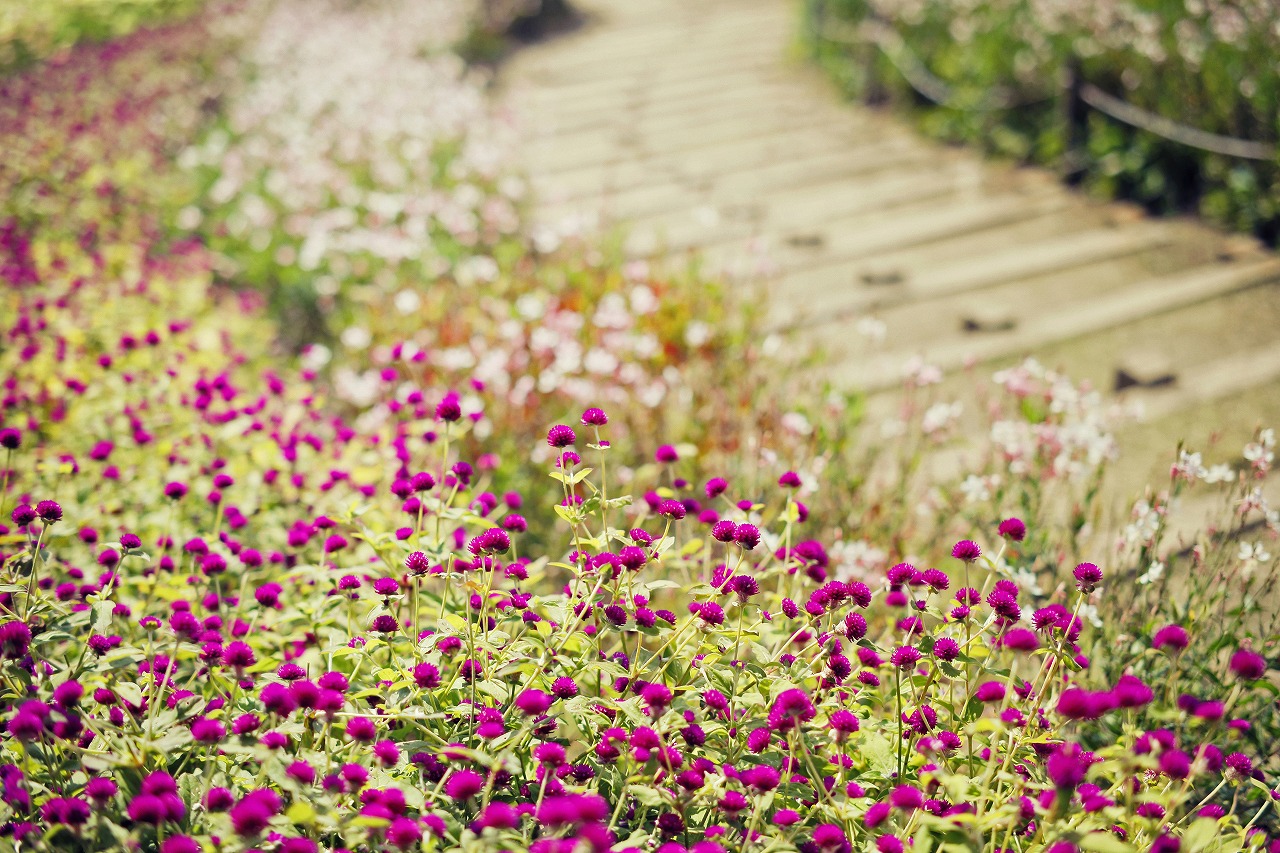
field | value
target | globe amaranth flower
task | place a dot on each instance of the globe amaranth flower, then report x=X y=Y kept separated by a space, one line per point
x=790 y=709
x=1068 y=766
x=672 y=509
x=946 y=649
x=49 y=511
x=966 y=550
x=254 y=811
x=1013 y=529
x=1131 y=692
x=666 y=454
x=1020 y=640
x=560 y=436
x=594 y=417
x=905 y=657
x=710 y=614
x=1087 y=576
x=747 y=536
x=571 y=809
x=449 y=409
x=989 y=691
x=1172 y=638
x=1248 y=665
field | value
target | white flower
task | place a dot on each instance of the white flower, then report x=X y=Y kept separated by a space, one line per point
x=1254 y=551
x=940 y=416
x=1090 y=612
x=1153 y=573
x=315 y=356
x=697 y=333
x=975 y=489
x=796 y=423
x=356 y=337
x=1219 y=473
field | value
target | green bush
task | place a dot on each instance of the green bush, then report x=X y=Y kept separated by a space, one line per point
x=1206 y=65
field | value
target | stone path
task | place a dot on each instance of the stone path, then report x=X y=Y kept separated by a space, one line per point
x=700 y=127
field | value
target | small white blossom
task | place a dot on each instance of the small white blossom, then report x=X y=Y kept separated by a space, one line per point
x=1154 y=572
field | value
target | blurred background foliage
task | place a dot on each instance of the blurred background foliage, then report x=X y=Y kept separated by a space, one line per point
x=35 y=30
x=1206 y=64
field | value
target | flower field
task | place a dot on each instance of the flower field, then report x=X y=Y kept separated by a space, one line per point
x=343 y=510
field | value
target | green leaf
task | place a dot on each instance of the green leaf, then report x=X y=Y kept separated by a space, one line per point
x=1104 y=842
x=301 y=812
x=1199 y=835
x=878 y=753
x=102 y=612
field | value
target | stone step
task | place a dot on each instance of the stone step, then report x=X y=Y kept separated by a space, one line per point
x=856 y=286
x=1075 y=320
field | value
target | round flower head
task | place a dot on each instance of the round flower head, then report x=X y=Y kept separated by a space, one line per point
x=716 y=487
x=790 y=709
x=723 y=531
x=672 y=509
x=463 y=785
x=789 y=480
x=449 y=409
x=49 y=511
x=1172 y=638
x=561 y=436
x=23 y=514
x=594 y=417
x=1013 y=529
x=1087 y=576
x=966 y=550
x=417 y=563
x=666 y=454
x=747 y=536
x=1248 y=665
x=10 y=438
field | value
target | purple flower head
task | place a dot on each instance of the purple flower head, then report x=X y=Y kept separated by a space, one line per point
x=790 y=709
x=1248 y=665
x=966 y=550
x=1020 y=640
x=254 y=811
x=989 y=691
x=666 y=454
x=672 y=509
x=1172 y=638
x=905 y=657
x=716 y=487
x=1012 y=529
x=594 y=417
x=23 y=514
x=464 y=784
x=723 y=531
x=789 y=480
x=560 y=436
x=945 y=649
x=747 y=536
x=449 y=408
x=49 y=511
x=417 y=563
x=1067 y=766
x=1087 y=576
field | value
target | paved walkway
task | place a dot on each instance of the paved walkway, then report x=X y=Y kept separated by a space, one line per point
x=700 y=127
